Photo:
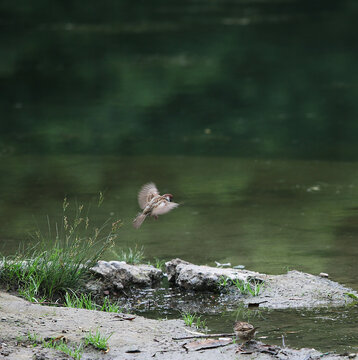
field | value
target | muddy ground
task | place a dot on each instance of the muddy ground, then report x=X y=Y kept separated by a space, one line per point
x=138 y=338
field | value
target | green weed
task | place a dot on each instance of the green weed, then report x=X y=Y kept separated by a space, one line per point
x=110 y=307
x=245 y=287
x=193 y=320
x=57 y=344
x=97 y=340
x=159 y=264
x=130 y=256
x=84 y=301
x=224 y=282
x=353 y=297
x=34 y=338
x=60 y=345
x=61 y=259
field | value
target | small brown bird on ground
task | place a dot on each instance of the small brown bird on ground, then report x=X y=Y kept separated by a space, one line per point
x=152 y=203
x=244 y=331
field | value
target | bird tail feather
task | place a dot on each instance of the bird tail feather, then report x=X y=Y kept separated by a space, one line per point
x=137 y=222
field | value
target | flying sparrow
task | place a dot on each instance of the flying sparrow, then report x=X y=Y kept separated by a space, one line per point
x=152 y=203
x=244 y=331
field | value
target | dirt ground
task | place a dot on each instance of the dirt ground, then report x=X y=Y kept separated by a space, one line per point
x=138 y=338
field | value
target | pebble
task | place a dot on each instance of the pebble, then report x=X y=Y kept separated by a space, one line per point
x=239 y=267
x=324 y=275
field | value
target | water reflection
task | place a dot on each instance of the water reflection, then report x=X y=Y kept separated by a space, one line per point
x=267 y=78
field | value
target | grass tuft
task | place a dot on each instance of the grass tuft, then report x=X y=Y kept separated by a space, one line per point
x=353 y=297
x=59 y=261
x=97 y=340
x=85 y=301
x=159 y=264
x=194 y=320
x=245 y=287
x=130 y=256
x=56 y=344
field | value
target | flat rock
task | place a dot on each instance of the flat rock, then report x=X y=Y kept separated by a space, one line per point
x=205 y=278
x=297 y=289
x=292 y=290
x=119 y=275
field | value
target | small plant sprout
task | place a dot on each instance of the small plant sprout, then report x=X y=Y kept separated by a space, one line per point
x=224 y=281
x=353 y=297
x=60 y=345
x=130 y=256
x=188 y=318
x=97 y=340
x=34 y=338
x=159 y=264
x=193 y=320
x=246 y=287
x=200 y=324
x=83 y=301
x=110 y=307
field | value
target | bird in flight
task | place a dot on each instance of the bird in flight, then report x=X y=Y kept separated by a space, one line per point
x=152 y=203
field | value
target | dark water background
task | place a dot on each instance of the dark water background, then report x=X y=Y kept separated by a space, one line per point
x=246 y=111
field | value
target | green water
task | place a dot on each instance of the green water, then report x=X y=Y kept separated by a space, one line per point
x=245 y=111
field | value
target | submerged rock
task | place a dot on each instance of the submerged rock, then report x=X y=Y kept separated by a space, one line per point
x=119 y=275
x=292 y=290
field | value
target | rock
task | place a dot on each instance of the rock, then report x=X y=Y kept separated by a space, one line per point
x=202 y=277
x=119 y=275
x=324 y=275
x=292 y=290
x=241 y=267
x=297 y=289
x=95 y=286
x=171 y=268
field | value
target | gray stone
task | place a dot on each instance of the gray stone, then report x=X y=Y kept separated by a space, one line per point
x=119 y=275
x=324 y=275
x=297 y=289
x=202 y=277
x=292 y=290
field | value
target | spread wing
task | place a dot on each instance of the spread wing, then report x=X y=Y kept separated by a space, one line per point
x=164 y=207
x=146 y=193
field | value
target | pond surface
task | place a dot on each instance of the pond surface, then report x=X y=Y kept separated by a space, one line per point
x=246 y=111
